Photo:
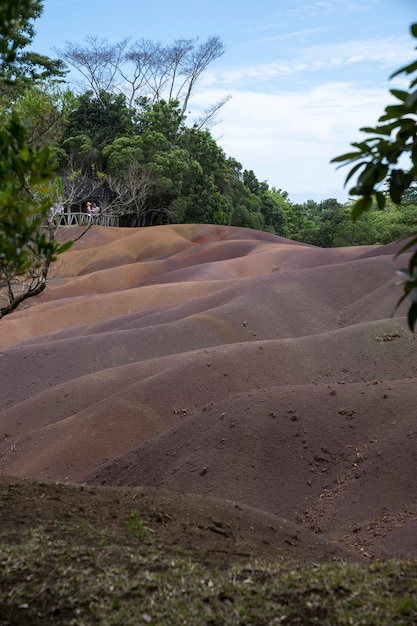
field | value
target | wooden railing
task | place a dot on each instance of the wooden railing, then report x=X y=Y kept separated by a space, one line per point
x=84 y=219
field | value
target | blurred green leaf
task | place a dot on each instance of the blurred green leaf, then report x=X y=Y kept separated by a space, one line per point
x=360 y=206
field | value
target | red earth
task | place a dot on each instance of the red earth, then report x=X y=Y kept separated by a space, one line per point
x=226 y=366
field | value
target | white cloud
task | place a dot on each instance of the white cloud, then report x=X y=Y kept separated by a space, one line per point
x=283 y=36
x=289 y=117
x=289 y=139
x=331 y=7
x=382 y=55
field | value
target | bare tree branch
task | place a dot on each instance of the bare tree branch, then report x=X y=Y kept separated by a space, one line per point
x=200 y=59
x=177 y=56
x=97 y=61
x=208 y=119
x=14 y=289
x=133 y=190
x=146 y=69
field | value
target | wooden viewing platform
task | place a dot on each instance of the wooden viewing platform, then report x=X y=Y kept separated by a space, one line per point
x=84 y=219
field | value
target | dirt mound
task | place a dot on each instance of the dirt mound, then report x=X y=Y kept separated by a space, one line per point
x=212 y=531
x=225 y=363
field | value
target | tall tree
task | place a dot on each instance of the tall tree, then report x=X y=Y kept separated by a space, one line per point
x=93 y=124
x=44 y=109
x=27 y=244
x=19 y=66
x=97 y=61
x=144 y=68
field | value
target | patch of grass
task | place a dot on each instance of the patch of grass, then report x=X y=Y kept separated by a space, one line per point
x=47 y=578
x=137 y=526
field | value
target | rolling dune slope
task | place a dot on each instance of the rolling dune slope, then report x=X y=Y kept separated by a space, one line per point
x=226 y=363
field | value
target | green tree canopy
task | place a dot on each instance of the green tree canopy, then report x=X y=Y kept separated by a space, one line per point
x=20 y=67
x=26 y=171
x=102 y=119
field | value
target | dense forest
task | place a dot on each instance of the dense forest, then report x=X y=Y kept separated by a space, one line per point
x=123 y=138
x=154 y=168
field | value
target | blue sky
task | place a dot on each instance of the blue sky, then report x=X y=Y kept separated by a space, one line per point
x=304 y=76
